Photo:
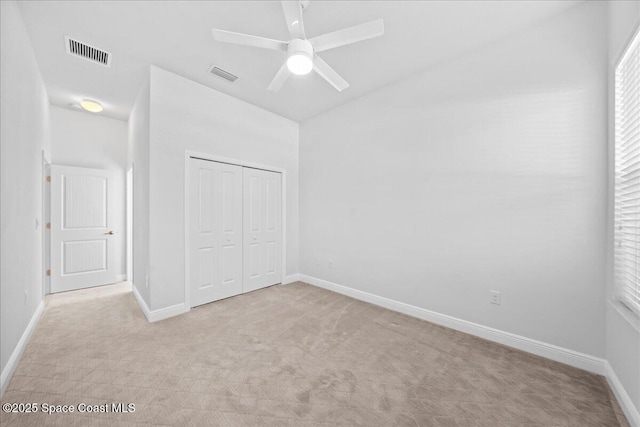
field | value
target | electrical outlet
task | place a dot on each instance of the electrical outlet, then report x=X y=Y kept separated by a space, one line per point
x=495 y=297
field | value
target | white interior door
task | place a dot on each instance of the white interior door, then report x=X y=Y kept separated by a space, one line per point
x=83 y=250
x=262 y=206
x=215 y=235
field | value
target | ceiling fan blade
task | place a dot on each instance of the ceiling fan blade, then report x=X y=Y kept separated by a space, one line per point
x=293 y=15
x=248 y=40
x=281 y=77
x=327 y=73
x=355 y=34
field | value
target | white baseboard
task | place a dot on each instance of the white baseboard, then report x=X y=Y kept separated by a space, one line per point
x=143 y=305
x=12 y=364
x=290 y=279
x=629 y=409
x=161 y=313
x=549 y=351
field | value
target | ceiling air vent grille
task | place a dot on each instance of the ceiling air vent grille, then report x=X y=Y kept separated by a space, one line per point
x=224 y=74
x=88 y=52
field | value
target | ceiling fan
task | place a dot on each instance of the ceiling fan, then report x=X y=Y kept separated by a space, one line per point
x=302 y=53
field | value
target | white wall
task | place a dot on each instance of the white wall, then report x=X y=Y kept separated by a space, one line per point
x=485 y=173
x=623 y=328
x=188 y=116
x=87 y=140
x=23 y=135
x=138 y=156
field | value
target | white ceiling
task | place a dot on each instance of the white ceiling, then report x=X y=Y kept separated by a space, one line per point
x=176 y=35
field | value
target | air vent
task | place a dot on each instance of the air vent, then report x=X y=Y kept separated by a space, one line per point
x=224 y=74
x=88 y=52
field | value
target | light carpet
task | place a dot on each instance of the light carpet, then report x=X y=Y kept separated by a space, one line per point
x=292 y=355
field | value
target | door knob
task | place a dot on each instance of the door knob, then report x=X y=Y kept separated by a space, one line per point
x=110 y=233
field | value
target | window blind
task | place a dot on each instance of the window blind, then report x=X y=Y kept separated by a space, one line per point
x=627 y=176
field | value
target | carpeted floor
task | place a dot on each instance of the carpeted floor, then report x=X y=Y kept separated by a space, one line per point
x=291 y=355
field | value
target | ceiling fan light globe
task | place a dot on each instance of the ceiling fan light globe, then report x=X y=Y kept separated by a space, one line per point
x=299 y=64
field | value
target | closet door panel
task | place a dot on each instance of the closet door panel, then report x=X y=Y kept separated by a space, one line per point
x=215 y=231
x=262 y=201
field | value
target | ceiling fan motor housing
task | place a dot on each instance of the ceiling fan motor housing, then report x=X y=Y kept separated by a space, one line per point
x=300 y=47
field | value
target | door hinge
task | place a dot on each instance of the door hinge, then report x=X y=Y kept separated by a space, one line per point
x=48 y=178
x=49 y=225
x=48 y=272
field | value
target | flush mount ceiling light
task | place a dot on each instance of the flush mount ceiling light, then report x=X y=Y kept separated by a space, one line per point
x=302 y=53
x=91 y=106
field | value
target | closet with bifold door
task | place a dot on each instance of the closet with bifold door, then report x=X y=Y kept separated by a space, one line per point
x=234 y=231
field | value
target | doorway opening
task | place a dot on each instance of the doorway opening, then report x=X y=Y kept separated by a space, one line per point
x=129 y=224
x=84 y=230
